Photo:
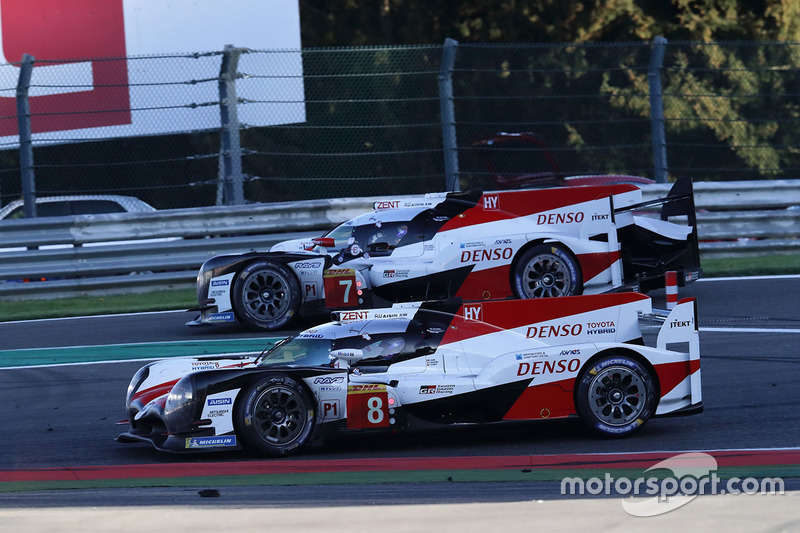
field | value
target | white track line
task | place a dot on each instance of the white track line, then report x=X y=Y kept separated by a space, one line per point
x=748 y=278
x=752 y=330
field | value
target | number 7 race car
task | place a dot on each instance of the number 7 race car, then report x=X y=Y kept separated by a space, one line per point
x=428 y=364
x=475 y=246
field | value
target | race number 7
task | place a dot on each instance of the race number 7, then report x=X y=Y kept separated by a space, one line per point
x=347 y=284
x=339 y=285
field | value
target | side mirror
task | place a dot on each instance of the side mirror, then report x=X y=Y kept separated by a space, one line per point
x=325 y=242
x=349 y=355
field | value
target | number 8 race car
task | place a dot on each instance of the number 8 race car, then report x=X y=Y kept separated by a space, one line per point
x=428 y=364
x=475 y=246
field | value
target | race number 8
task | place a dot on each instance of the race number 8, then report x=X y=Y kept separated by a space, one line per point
x=374 y=410
x=367 y=406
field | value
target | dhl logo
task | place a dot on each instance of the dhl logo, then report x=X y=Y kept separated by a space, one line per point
x=363 y=389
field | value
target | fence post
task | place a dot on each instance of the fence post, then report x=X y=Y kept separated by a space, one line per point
x=25 y=141
x=230 y=147
x=450 y=148
x=657 y=110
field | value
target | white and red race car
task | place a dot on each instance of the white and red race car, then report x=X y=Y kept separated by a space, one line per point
x=426 y=364
x=476 y=246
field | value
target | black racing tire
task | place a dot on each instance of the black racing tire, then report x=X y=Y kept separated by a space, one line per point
x=547 y=270
x=266 y=295
x=275 y=415
x=616 y=395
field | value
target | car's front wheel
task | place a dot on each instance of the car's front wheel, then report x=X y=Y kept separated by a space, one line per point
x=616 y=395
x=266 y=295
x=275 y=415
x=547 y=270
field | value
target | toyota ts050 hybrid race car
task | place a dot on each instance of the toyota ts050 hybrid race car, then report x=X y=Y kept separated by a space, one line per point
x=475 y=246
x=428 y=364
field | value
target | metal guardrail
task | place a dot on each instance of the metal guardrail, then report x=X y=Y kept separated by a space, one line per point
x=734 y=219
x=736 y=195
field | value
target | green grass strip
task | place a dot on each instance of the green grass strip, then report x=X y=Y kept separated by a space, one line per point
x=775 y=264
x=94 y=305
x=405 y=476
x=771 y=265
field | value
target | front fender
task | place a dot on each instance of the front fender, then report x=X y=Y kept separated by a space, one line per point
x=224 y=264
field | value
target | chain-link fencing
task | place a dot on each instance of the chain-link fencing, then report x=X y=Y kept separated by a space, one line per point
x=341 y=122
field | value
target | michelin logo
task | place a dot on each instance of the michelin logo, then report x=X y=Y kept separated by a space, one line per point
x=221 y=317
x=211 y=442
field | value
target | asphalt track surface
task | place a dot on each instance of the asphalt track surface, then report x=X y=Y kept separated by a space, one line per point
x=57 y=416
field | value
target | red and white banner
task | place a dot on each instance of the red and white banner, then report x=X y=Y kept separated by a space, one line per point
x=77 y=93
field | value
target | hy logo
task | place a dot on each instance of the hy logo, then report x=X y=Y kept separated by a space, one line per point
x=490 y=202
x=473 y=312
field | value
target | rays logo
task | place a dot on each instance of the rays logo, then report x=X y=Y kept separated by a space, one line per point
x=308 y=265
x=328 y=380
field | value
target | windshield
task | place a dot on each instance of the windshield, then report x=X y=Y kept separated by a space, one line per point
x=389 y=233
x=295 y=351
x=341 y=236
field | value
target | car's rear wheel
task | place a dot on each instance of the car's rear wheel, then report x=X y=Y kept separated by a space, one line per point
x=547 y=270
x=275 y=415
x=266 y=295
x=616 y=395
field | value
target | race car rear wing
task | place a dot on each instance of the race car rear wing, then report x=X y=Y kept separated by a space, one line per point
x=653 y=261
x=679 y=201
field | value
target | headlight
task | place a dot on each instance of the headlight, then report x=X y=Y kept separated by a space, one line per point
x=179 y=408
x=136 y=382
x=203 y=281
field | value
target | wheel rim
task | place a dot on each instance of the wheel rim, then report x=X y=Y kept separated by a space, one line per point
x=546 y=275
x=279 y=415
x=617 y=396
x=266 y=295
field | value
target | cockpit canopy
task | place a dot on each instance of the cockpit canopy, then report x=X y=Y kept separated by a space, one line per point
x=385 y=343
